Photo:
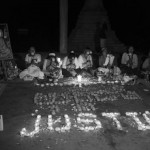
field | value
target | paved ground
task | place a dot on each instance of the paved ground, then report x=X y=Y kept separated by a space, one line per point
x=16 y=105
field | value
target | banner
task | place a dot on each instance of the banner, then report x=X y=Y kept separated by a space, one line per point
x=5 y=44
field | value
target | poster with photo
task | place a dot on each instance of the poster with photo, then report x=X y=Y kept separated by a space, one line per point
x=5 y=44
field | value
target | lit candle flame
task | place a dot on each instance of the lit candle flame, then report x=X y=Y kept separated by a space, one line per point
x=58 y=59
x=79 y=77
x=99 y=79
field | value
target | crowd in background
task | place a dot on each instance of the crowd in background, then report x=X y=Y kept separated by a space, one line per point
x=72 y=65
x=85 y=64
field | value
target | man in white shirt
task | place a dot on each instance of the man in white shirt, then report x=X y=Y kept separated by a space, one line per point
x=32 y=61
x=129 y=62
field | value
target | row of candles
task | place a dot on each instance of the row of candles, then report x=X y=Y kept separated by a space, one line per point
x=84 y=121
x=79 y=81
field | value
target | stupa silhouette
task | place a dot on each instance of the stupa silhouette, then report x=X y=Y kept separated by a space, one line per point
x=93 y=30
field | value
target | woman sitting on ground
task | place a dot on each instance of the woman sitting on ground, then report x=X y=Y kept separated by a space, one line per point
x=32 y=62
x=70 y=65
x=86 y=63
x=51 y=67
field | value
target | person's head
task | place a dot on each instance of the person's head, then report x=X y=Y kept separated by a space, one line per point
x=52 y=57
x=1 y=33
x=87 y=52
x=71 y=56
x=131 y=50
x=104 y=51
x=32 y=50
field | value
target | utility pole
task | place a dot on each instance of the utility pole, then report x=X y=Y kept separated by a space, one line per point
x=63 y=26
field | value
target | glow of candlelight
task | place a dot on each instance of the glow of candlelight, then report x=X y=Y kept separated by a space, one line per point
x=141 y=126
x=114 y=117
x=99 y=79
x=79 y=78
x=58 y=59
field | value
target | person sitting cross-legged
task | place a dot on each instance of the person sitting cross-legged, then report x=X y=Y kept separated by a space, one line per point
x=107 y=62
x=32 y=62
x=32 y=57
x=146 y=63
x=70 y=65
x=51 y=67
x=129 y=62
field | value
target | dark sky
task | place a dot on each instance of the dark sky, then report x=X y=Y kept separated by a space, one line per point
x=129 y=18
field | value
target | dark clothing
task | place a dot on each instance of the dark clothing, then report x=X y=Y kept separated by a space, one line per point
x=67 y=73
x=129 y=70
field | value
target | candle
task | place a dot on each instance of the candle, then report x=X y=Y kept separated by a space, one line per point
x=58 y=59
x=99 y=79
x=79 y=77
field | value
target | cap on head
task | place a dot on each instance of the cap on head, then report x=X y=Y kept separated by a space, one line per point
x=52 y=54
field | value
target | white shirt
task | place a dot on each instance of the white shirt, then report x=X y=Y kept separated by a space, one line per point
x=83 y=60
x=29 y=58
x=109 y=60
x=125 y=59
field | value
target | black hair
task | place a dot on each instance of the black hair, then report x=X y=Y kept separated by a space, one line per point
x=71 y=55
x=50 y=59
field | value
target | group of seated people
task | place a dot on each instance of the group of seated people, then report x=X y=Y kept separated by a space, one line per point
x=54 y=67
x=71 y=65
